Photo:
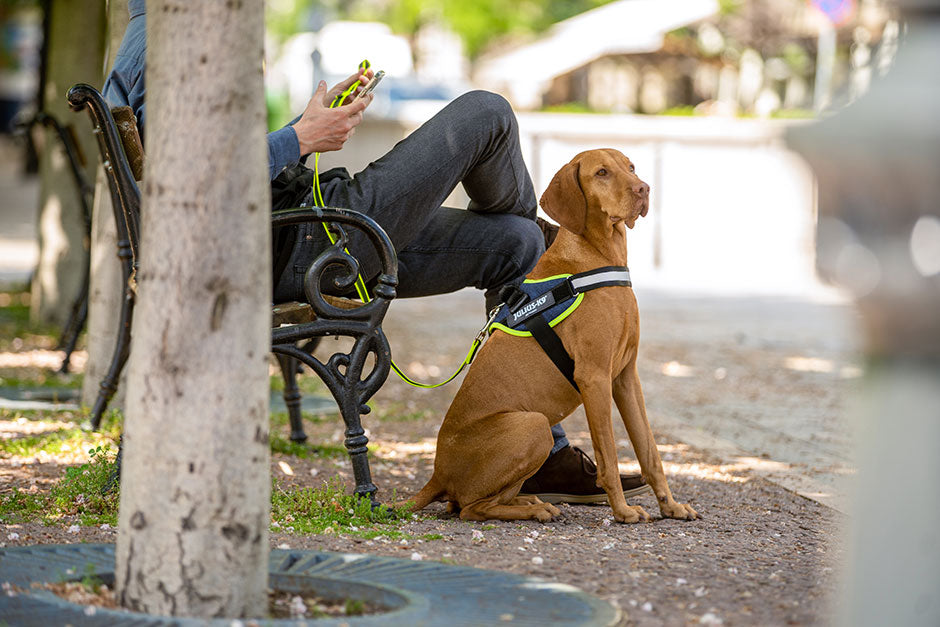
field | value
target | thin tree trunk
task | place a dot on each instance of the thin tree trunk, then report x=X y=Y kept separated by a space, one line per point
x=105 y=290
x=195 y=507
x=76 y=46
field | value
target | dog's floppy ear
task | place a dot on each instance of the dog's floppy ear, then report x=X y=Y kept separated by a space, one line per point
x=564 y=200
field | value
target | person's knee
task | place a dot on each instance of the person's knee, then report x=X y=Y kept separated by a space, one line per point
x=524 y=243
x=487 y=105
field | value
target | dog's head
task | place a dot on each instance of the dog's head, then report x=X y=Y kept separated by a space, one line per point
x=602 y=180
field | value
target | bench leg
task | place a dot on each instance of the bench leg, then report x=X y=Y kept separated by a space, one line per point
x=122 y=350
x=73 y=327
x=356 y=446
x=347 y=397
x=292 y=397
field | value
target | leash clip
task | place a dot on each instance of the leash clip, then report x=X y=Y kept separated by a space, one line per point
x=493 y=313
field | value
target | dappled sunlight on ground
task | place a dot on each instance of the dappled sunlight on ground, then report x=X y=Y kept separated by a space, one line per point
x=41 y=358
x=400 y=450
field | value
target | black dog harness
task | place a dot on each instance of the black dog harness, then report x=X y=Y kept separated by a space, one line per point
x=537 y=305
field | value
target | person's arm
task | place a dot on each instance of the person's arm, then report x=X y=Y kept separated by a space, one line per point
x=283 y=150
x=319 y=128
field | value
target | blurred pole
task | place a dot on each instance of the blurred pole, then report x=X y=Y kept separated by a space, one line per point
x=878 y=165
x=825 y=62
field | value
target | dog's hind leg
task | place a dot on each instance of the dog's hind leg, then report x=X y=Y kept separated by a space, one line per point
x=490 y=485
x=491 y=509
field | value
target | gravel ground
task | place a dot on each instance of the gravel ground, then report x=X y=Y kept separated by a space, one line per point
x=759 y=555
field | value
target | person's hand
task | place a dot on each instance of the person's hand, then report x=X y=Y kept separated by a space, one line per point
x=321 y=129
x=363 y=76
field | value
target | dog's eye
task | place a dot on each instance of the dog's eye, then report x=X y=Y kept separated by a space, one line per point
x=632 y=168
x=601 y=172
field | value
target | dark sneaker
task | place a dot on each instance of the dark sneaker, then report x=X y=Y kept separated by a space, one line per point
x=570 y=476
x=549 y=231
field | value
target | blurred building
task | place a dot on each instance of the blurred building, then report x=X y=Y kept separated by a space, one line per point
x=649 y=56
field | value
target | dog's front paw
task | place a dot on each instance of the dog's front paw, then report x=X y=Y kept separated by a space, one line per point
x=631 y=514
x=682 y=511
x=547 y=512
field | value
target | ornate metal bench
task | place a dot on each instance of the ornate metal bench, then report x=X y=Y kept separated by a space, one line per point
x=293 y=323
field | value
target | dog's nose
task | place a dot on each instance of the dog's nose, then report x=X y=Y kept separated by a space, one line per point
x=641 y=189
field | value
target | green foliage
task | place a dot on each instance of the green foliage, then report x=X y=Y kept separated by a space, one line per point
x=91 y=581
x=729 y=7
x=87 y=491
x=328 y=509
x=478 y=23
x=355 y=607
x=90 y=490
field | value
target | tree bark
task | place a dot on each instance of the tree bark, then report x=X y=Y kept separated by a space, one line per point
x=75 y=53
x=195 y=497
x=105 y=290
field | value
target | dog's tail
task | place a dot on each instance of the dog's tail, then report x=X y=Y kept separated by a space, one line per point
x=431 y=492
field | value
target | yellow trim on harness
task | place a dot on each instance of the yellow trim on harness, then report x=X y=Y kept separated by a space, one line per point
x=567 y=312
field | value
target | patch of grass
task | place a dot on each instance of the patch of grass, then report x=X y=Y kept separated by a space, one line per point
x=283 y=445
x=49 y=442
x=355 y=607
x=90 y=490
x=432 y=536
x=19 y=506
x=59 y=440
x=328 y=509
x=85 y=491
x=44 y=379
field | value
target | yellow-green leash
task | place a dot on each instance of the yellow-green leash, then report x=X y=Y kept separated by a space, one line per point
x=361 y=285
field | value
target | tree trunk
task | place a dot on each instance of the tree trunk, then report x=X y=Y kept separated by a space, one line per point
x=105 y=290
x=76 y=47
x=195 y=497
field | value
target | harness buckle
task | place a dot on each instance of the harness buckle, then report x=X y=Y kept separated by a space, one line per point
x=513 y=297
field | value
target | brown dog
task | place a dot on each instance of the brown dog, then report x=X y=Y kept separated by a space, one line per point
x=496 y=433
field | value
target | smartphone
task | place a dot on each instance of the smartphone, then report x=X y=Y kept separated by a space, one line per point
x=365 y=91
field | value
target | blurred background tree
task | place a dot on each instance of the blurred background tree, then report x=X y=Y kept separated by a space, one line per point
x=480 y=24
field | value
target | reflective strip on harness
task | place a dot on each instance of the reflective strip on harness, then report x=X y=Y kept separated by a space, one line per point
x=556 y=297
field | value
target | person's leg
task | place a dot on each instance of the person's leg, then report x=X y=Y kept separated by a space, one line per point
x=561 y=440
x=460 y=248
x=473 y=140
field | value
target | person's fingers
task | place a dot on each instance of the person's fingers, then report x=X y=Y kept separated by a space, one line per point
x=320 y=93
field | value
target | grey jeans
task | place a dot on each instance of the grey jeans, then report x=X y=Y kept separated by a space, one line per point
x=493 y=242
